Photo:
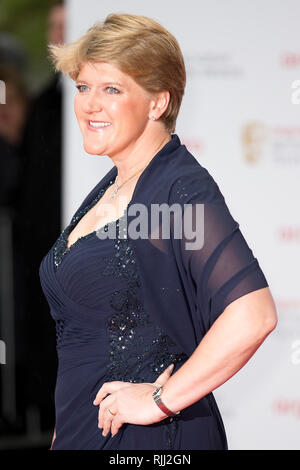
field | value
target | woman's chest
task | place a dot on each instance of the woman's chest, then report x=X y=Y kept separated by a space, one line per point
x=108 y=209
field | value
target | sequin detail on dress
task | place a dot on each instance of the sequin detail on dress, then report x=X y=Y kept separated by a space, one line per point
x=136 y=341
x=131 y=324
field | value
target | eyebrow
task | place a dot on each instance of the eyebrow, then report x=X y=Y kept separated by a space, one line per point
x=104 y=83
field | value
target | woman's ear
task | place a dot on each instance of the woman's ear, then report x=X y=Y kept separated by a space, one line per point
x=159 y=104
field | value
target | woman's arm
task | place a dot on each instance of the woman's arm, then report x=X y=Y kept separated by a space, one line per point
x=227 y=346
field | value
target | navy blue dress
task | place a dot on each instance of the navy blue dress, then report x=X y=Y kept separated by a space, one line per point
x=110 y=304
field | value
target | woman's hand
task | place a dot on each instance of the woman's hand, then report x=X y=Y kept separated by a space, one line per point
x=53 y=438
x=126 y=402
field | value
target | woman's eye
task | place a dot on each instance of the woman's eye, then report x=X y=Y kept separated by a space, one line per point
x=81 y=88
x=112 y=90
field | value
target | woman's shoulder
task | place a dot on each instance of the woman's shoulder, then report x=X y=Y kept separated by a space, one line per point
x=189 y=180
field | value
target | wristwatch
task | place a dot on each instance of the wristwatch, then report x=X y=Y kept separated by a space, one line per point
x=156 y=395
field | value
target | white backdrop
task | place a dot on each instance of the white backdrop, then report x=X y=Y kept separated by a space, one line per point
x=238 y=119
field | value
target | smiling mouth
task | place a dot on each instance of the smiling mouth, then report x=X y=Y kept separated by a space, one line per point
x=98 y=125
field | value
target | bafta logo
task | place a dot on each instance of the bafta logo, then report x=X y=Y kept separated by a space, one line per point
x=253 y=139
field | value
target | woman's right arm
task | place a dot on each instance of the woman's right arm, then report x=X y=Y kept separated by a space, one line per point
x=53 y=438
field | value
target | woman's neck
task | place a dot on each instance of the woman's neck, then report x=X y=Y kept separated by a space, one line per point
x=139 y=154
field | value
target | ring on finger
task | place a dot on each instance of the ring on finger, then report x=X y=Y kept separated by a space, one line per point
x=114 y=414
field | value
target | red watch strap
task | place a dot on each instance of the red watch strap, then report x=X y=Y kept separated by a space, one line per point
x=160 y=404
x=165 y=409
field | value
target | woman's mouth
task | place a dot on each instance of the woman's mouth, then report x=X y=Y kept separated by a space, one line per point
x=96 y=125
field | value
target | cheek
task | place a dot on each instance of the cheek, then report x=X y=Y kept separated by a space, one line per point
x=77 y=106
x=115 y=108
x=78 y=112
x=127 y=113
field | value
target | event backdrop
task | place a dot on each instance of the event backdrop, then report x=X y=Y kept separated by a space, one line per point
x=240 y=118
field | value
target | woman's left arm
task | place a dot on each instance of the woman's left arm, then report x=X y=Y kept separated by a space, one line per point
x=233 y=298
x=234 y=305
x=224 y=350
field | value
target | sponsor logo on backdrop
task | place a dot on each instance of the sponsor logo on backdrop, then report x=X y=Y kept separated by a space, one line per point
x=290 y=59
x=278 y=145
x=287 y=407
x=212 y=65
x=285 y=145
x=289 y=234
x=194 y=145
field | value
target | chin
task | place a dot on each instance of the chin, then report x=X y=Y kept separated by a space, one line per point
x=94 y=149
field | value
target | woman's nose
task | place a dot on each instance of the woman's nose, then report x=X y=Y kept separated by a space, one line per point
x=92 y=102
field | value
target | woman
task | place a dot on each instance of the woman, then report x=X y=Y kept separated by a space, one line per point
x=127 y=307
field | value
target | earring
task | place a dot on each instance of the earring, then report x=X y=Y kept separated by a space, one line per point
x=152 y=118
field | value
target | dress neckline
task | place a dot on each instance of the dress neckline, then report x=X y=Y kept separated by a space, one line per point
x=79 y=215
x=61 y=246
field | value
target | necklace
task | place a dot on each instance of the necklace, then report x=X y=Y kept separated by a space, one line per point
x=114 y=193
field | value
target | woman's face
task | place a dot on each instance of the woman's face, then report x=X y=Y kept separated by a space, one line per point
x=111 y=108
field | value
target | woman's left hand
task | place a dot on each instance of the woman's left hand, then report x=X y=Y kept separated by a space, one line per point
x=126 y=402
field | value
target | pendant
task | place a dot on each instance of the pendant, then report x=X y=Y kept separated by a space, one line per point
x=113 y=194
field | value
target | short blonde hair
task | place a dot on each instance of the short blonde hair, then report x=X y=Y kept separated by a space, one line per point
x=138 y=46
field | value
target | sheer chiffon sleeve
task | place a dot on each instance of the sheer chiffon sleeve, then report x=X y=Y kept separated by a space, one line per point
x=223 y=267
